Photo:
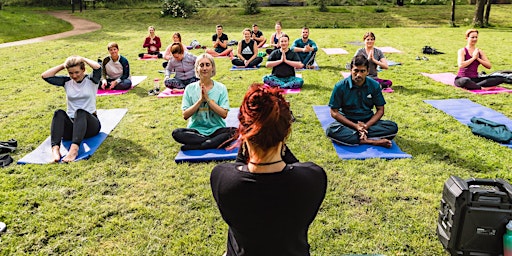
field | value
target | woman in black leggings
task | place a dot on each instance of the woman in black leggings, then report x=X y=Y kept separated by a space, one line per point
x=80 y=120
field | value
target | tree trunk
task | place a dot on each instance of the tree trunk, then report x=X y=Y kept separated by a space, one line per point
x=478 y=19
x=453 y=14
x=487 y=11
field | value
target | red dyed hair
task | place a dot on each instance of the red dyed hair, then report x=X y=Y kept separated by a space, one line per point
x=265 y=117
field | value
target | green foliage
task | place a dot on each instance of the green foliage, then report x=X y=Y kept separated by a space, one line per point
x=178 y=8
x=251 y=7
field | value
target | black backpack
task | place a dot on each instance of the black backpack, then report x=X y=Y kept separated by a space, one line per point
x=429 y=50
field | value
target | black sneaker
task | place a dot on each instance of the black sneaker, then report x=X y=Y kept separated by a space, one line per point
x=8 y=146
x=5 y=160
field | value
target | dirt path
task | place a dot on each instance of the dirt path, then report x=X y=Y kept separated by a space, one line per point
x=80 y=26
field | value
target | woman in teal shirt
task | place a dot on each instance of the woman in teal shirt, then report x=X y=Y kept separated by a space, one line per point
x=205 y=104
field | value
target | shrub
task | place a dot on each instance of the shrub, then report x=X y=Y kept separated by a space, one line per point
x=178 y=8
x=251 y=7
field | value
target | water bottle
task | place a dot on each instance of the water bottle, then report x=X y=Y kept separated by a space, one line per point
x=156 y=83
x=507 y=240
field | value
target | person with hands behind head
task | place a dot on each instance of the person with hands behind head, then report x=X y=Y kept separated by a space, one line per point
x=469 y=58
x=247 y=52
x=283 y=63
x=116 y=70
x=220 y=43
x=205 y=104
x=267 y=202
x=352 y=101
x=80 y=120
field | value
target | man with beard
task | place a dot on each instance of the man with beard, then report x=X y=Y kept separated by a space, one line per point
x=305 y=48
x=352 y=101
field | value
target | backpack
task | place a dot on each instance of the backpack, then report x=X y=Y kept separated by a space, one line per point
x=490 y=130
x=429 y=50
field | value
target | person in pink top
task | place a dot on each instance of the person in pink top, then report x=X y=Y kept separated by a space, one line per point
x=469 y=58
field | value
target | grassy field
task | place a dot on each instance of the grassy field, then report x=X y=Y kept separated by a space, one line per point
x=21 y=23
x=131 y=198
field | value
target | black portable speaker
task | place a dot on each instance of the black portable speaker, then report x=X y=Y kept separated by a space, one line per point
x=473 y=216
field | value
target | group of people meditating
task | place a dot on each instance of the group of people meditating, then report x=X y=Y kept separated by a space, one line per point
x=275 y=221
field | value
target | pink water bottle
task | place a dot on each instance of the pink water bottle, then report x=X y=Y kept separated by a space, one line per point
x=507 y=240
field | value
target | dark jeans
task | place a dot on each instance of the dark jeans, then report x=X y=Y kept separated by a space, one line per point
x=192 y=139
x=84 y=125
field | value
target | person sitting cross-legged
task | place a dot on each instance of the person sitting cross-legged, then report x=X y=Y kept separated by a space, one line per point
x=220 y=44
x=283 y=62
x=247 y=55
x=305 y=48
x=352 y=101
x=205 y=104
x=115 y=70
x=182 y=63
x=257 y=35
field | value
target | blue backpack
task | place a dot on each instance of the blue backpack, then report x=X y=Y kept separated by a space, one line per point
x=490 y=130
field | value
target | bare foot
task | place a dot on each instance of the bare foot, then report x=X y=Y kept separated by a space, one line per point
x=72 y=154
x=177 y=90
x=380 y=142
x=56 y=154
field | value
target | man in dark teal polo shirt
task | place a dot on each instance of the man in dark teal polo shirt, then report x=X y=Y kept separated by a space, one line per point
x=352 y=102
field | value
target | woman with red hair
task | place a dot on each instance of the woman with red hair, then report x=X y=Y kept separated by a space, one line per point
x=267 y=202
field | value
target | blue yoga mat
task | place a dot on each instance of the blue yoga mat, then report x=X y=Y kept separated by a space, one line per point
x=235 y=68
x=109 y=119
x=205 y=155
x=463 y=110
x=361 y=151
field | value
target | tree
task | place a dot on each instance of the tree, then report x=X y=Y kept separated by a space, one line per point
x=487 y=11
x=453 y=14
x=482 y=6
x=251 y=7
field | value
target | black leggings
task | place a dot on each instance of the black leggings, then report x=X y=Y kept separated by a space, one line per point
x=192 y=137
x=479 y=82
x=84 y=125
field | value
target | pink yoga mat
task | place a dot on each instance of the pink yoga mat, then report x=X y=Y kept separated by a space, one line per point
x=388 y=49
x=135 y=81
x=449 y=78
x=331 y=51
x=291 y=91
x=168 y=93
x=347 y=74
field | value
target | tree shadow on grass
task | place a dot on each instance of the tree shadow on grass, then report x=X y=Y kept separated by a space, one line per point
x=122 y=150
x=438 y=153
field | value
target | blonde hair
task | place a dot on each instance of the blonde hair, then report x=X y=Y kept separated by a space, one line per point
x=74 y=61
x=205 y=56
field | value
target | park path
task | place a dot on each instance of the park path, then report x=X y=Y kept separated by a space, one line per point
x=80 y=26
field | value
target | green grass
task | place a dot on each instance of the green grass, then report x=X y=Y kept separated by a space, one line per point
x=130 y=198
x=21 y=23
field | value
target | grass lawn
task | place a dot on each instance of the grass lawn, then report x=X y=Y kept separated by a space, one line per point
x=131 y=198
